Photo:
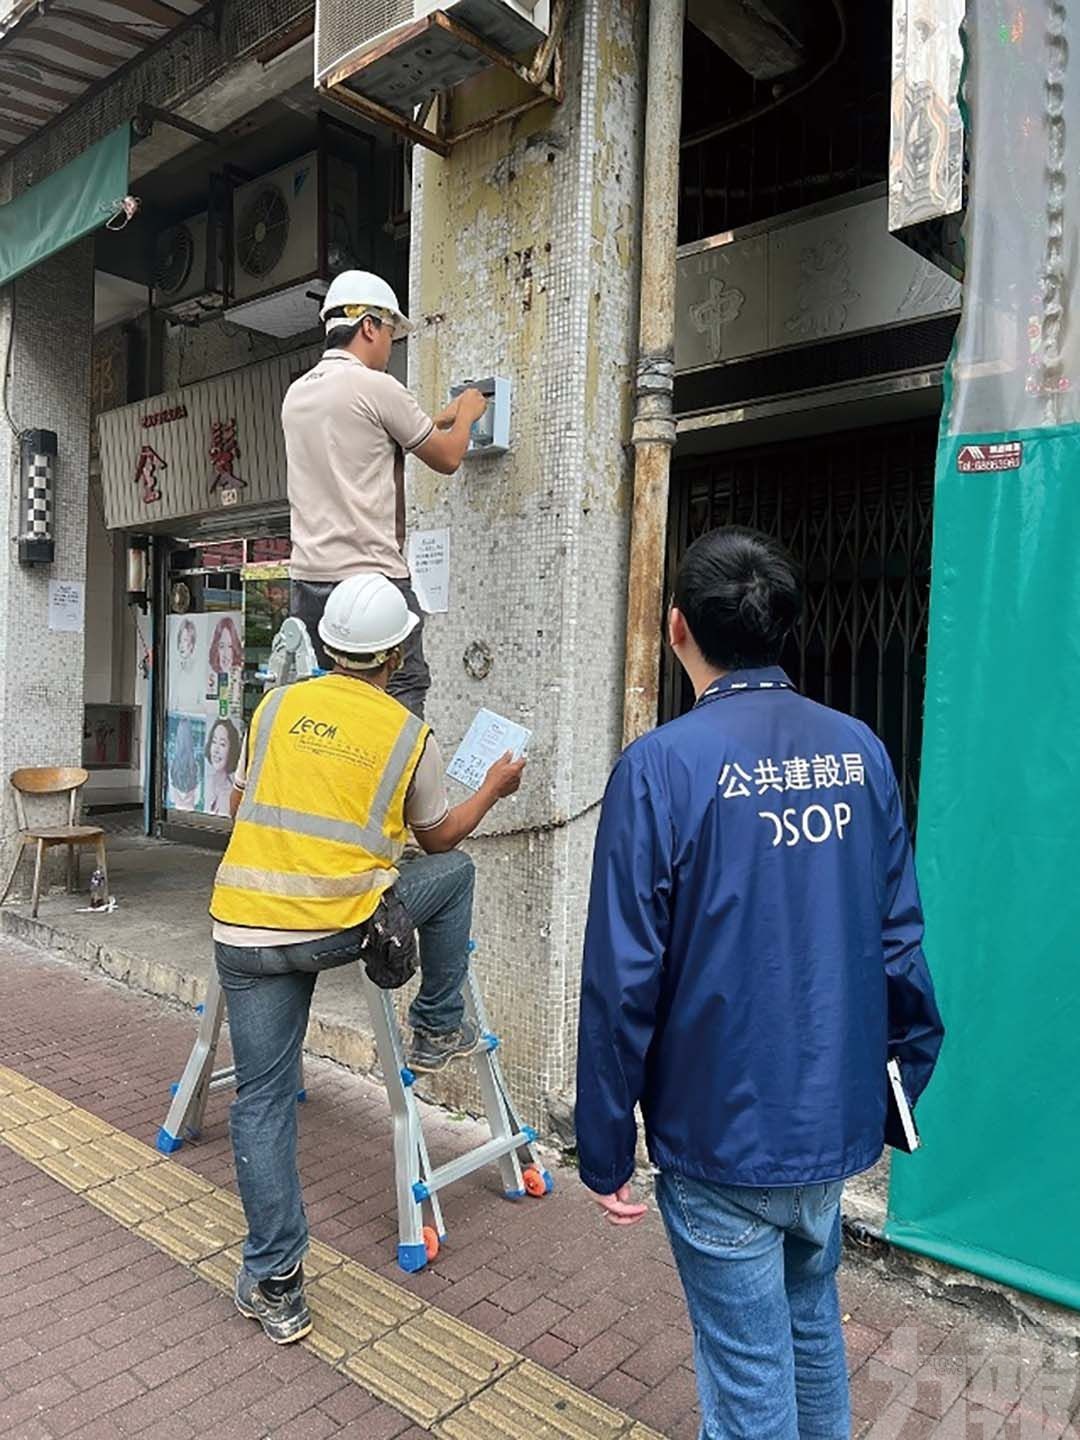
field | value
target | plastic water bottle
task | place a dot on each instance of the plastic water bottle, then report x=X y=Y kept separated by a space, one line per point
x=98 y=889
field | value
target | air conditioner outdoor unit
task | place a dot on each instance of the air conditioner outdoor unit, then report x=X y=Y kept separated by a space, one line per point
x=182 y=288
x=395 y=53
x=282 y=258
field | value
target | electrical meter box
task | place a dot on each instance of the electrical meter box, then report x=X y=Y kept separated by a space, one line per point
x=491 y=433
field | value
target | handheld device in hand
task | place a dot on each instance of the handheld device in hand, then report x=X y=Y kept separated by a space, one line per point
x=900 y=1129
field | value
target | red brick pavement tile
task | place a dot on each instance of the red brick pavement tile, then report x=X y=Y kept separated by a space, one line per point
x=300 y=1395
x=19 y=1409
x=911 y=1345
x=597 y=1359
x=15 y=1351
x=620 y=1390
x=100 y=1429
x=382 y=1424
x=484 y=1316
x=861 y=1341
x=64 y=1360
x=213 y=1411
x=875 y=1387
x=936 y=1386
x=348 y=1405
x=194 y=1350
x=968 y=1421
x=591 y=1319
x=313 y=1425
x=896 y=1422
x=666 y=1404
x=1032 y=1423
x=548 y=1351
x=517 y=1331
x=659 y=1356
x=89 y=1405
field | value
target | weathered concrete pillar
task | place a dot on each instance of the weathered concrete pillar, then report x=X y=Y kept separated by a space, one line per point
x=47 y=320
x=525 y=264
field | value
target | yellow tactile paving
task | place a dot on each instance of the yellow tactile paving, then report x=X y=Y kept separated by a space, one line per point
x=11 y=1080
x=531 y=1402
x=429 y=1367
x=194 y=1231
x=26 y=1106
x=139 y=1196
x=56 y=1133
x=352 y=1307
x=448 y=1377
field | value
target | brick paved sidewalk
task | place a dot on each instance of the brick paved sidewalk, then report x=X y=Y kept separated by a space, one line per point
x=107 y=1337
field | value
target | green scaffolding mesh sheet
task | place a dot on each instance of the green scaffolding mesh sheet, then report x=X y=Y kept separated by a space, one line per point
x=994 y=1188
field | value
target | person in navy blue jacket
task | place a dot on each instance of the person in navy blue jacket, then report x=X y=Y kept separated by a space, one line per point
x=753 y=958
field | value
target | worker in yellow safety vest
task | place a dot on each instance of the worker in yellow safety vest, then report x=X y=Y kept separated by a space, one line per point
x=333 y=776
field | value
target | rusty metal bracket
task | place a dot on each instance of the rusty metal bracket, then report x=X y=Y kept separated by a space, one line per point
x=543 y=76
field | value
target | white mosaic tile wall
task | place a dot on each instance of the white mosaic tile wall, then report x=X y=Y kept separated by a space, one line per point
x=524 y=265
x=41 y=699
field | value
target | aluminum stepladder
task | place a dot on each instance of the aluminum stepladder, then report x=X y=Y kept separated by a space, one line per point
x=417 y=1181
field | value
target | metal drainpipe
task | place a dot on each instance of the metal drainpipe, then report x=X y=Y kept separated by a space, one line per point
x=654 y=424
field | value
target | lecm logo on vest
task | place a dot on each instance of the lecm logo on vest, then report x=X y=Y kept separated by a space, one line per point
x=306 y=725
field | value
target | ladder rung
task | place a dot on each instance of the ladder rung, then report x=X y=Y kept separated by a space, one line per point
x=472 y=1160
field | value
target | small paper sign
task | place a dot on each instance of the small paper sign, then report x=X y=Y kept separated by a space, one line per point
x=429 y=565
x=489 y=737
x=65 y=606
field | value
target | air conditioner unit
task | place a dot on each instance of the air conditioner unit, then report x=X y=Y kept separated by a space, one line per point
x=282 y=258
x=183 y=288
x=398 y=53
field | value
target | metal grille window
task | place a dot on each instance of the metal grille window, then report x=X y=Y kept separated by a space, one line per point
x=855 y=511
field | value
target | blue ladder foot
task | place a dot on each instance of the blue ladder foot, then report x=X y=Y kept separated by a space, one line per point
x=515 y=1194
x=412 y=1258
x=166 y=1143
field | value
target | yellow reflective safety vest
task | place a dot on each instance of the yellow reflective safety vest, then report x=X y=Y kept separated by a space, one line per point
x=322 y=822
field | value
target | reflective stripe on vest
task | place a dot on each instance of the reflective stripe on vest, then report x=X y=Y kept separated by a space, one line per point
x=282 y=882
x=369 y=837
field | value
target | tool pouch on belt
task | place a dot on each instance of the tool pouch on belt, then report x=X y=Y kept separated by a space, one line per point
x=389 y=948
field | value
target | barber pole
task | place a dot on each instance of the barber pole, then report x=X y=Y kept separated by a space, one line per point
x=38 y=456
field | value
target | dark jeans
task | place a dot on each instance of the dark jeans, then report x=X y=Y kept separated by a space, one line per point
x=759 y=1271
x=268 y=992
x=307 y=601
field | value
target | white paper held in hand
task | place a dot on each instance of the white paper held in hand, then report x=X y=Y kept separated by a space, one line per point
x=489 y=737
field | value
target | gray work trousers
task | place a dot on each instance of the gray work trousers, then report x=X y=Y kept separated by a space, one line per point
x=410 y=684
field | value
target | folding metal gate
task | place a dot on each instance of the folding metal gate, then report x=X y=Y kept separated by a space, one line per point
x=855 y=511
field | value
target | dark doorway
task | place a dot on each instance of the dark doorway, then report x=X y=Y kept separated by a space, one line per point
x=855 y=511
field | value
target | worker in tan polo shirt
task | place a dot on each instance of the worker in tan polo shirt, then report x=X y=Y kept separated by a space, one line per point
x=348 y=425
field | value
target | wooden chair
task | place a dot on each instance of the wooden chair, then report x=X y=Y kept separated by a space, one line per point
x=53 y=780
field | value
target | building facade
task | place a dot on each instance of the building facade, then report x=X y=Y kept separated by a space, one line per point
x=808 y=358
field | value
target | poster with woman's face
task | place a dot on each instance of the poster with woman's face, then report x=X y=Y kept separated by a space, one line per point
x=222 y=755
x=185 y=744
x=186 y=662
x=204 y=685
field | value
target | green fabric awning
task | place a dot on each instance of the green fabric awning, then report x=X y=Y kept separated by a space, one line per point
x=65 y=206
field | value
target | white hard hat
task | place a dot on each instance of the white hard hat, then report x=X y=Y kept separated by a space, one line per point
x=358 y=293
x=366 y=615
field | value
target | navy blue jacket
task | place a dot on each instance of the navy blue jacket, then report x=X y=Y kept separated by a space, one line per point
x=753 y=954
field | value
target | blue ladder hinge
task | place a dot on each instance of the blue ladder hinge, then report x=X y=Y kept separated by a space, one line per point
x=407 y=1076
x=420 y=1192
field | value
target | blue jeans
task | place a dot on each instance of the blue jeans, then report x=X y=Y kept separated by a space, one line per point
x=268 y=992
x=759 y=1271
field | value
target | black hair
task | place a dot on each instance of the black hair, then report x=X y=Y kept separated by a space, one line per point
x=739 y=592
x=342 y=336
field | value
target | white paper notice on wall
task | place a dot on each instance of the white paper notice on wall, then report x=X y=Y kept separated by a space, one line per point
x=488 y=740
x=429 y=564
x=66 y=606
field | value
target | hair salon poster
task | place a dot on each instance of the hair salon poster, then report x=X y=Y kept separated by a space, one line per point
x=205 y=697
